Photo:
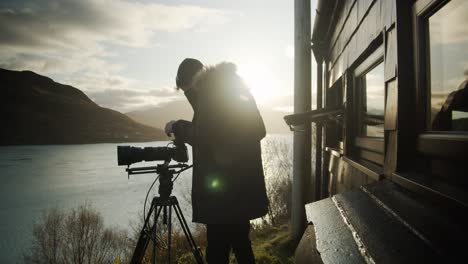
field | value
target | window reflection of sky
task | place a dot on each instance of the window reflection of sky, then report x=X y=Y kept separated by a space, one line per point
x=448 y=35
x=374 y=101
x=375 y=91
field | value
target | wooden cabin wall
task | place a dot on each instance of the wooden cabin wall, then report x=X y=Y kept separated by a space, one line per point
x=360 y=24
x=344 y=176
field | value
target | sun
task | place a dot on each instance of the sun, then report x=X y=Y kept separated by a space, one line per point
x=260 y=80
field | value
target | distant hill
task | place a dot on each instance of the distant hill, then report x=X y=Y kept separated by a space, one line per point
x=37 y=110
x=181 y=109
x=158 y=116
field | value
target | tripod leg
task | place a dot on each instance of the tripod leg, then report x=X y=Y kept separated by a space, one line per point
x=155 y=234
x=145 y=236
x=188 y=235
x=169 y=235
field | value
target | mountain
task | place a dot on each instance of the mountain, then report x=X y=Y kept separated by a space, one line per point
x=158 y=116
x=37 y=110
x=181 y=109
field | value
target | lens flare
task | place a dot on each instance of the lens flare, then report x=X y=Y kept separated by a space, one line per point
x=215 y=184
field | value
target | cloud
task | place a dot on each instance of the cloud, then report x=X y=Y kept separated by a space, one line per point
x=84 y=23
x=126 y=100
x=71 y=40
x=448 y=25
x=69 y=36
x=124 y=94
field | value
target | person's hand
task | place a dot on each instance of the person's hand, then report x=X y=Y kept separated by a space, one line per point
x=168 y=128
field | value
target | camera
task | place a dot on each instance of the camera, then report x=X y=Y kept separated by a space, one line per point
x=127 y=155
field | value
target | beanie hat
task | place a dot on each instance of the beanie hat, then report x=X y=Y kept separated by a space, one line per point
x=187 y=70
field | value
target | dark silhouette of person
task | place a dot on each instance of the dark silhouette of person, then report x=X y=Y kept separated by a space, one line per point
x=228 y=186
x=456 y=101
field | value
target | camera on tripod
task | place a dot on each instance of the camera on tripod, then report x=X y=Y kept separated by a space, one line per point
x=164 y=204
x=127 y=155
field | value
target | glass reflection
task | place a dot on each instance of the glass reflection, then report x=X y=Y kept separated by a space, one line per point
x=448 y=36
x=374 y=103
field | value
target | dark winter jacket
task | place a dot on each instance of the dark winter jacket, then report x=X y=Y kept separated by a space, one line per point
x=228 y=180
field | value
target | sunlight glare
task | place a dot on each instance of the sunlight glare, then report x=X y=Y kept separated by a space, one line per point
x=262 y=83
x=289 y=51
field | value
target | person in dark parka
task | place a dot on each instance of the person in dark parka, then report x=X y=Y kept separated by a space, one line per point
x=228 y=187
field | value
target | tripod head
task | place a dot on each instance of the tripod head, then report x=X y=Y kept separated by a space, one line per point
x=165 y=173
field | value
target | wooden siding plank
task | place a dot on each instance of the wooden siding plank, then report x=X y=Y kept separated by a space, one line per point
x=379 y=19
x=391 y=155
x=363 y=6
x=389 y=12
x=371 y=156
x=390 y=55
x=338 y=43
x=351 y=51
x=391 y=106
x=372 y=28
x=371 y=172
x=373 y=144
x=360 y=37
x=357 y=33
x=360 y=23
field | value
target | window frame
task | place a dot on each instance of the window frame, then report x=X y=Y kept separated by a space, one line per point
x=446 y=146
x=366 y=147
x=431 y=144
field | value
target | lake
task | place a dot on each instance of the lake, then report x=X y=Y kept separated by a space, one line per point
x=35 y=178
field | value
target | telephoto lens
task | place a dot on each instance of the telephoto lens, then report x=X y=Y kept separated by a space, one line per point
x=127 y=155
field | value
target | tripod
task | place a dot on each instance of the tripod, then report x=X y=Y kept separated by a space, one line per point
x=165 y=204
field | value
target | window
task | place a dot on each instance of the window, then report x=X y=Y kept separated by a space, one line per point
x=372 y=89
x=448 y=57
x=366 y=128
x=441 y=101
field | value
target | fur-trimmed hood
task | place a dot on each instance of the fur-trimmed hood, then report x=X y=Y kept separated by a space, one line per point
x=218 y=76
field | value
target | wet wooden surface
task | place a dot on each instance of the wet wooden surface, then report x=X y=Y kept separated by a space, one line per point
x=384 y=223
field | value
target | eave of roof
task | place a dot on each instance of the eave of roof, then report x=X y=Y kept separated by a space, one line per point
x=324 y=19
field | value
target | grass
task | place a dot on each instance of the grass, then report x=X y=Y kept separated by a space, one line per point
x=272 y=244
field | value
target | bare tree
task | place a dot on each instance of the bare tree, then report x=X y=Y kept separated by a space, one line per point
x=277 y=164
x=76 y=237
x=180 y=249
x=47 y=239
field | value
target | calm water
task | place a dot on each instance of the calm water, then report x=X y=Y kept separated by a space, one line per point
x=34 y=178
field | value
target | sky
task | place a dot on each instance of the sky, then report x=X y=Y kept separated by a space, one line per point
x=124 y=53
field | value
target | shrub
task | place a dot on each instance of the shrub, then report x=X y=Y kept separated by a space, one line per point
x=76 y=236
x=180 y=250
x=277 y=164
